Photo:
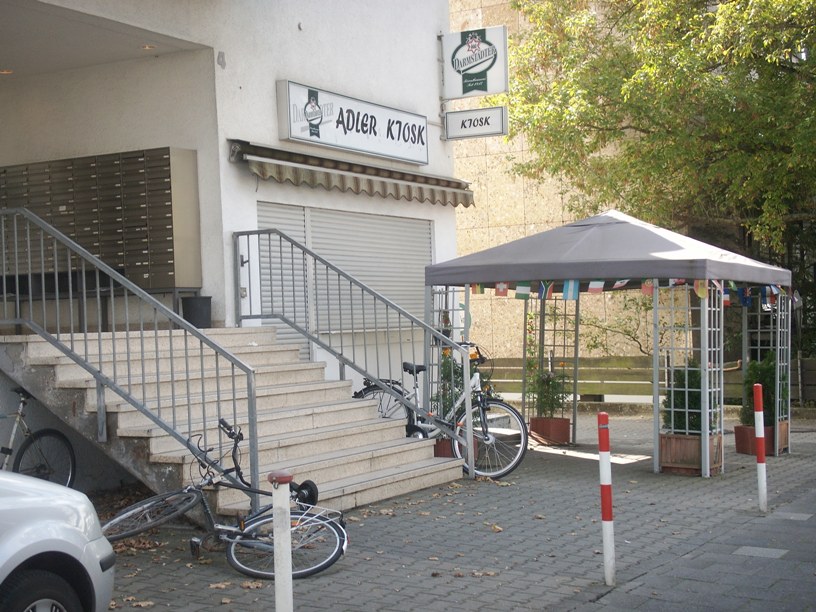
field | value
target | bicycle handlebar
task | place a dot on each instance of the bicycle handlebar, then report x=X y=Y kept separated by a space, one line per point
x=232 y=432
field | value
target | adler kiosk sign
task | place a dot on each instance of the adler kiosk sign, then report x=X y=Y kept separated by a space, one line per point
x=318 y=117
x=474 y=63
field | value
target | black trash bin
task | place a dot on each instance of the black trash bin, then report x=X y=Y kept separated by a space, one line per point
x=197 y=310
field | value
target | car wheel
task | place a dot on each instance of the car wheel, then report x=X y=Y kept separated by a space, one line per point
x=35 y=590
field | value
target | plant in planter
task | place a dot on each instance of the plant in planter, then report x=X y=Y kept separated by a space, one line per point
x=549 y=390
x=764 y=373
x=680 y=446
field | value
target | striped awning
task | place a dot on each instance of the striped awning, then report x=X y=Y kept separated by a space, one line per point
x=312 y=171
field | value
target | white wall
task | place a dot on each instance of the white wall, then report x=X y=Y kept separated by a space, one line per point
x=381 y=52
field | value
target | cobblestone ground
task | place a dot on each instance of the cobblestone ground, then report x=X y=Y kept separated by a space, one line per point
x=531 y=542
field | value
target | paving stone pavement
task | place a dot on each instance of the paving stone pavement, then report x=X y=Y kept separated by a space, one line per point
x=534 y=542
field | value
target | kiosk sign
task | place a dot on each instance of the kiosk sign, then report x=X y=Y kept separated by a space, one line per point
x=476 y=123
x=474 y=62
x=319 y=117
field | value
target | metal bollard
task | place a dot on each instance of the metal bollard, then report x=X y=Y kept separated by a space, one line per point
x=759 y=445
x=281 y=531
x=605 y=463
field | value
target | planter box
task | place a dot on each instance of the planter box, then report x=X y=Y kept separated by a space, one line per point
x=682 y=454
x=553 y=429
x=744 y=439
x=443 y=447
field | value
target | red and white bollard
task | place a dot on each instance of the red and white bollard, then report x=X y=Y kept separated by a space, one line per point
x=281 y=531
x=605 y=463
x=759 y=444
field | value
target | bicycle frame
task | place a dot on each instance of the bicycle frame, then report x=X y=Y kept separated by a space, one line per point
x=19 y=422
x=446 y=423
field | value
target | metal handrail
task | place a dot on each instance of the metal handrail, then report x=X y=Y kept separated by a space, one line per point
x=57 y=289
x=278 y=278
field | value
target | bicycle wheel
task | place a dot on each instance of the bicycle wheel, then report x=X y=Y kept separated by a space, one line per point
x=500 y=451
x=149 y=513
x=388 y=406
x=47 y=454
x=317 y=542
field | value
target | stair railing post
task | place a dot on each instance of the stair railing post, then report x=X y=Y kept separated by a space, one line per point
x=471 y=459
x=101 y=414
x=252 y=415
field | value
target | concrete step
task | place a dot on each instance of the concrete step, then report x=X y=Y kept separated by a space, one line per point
x=342 y=464
x=151 y=386
x=274 y=448
x=268 y=423
x=267 y=397
x=359 y=490
x=134 y=364
x=104 y=343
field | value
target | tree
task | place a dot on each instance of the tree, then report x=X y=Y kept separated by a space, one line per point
x=697 y=116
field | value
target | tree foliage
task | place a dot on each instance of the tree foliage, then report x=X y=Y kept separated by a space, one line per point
x=689 y=114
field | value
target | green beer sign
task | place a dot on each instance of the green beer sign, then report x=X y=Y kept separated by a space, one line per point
x=475 y=62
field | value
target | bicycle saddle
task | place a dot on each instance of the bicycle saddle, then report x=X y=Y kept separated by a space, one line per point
x=412 y=368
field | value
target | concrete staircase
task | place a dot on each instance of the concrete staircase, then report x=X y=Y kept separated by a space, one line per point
x=306 y=424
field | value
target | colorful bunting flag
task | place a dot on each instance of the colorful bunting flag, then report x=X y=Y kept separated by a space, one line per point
x=522 y=291
x=701 y=289
x=571 y=289
x=744 y=294
x=596 y=286
x=619 y=284
x=647 y=286
x=674 y=282
x=477 y=288
x=501 y=289
x=726 y=297
x=545 y=290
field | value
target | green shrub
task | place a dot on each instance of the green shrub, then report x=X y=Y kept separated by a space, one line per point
x=764 y=373
x=681 y=406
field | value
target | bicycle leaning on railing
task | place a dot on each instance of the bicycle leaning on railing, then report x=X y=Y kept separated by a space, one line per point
x=46 y=453
x=499 y=431
x=318 y=534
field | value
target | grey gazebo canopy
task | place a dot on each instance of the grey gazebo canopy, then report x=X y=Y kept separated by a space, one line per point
x=615 y=246
x=611 y=245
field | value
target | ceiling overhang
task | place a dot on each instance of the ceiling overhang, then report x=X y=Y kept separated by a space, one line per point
x=313 y=171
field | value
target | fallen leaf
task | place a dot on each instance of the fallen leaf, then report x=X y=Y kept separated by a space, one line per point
x=252 y=584
x=142 y=604
x=220 y=585
x=496 y=528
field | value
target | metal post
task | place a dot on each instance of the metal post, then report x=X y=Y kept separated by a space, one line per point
x=575 y=351
x=282 y=534
x=759 y=446
x=471 y=455
x=705 y=396
x=656 y=379
x=607 y=525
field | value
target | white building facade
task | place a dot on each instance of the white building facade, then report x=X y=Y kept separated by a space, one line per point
x=87 y=78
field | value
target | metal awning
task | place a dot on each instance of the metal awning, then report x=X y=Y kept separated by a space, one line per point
x=312 y=171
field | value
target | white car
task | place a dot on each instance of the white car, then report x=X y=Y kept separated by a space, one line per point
x=53 y=555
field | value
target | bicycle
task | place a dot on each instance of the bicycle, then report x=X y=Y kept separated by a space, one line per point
x=46 y=453
x=319 y=537
x=499 y=431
